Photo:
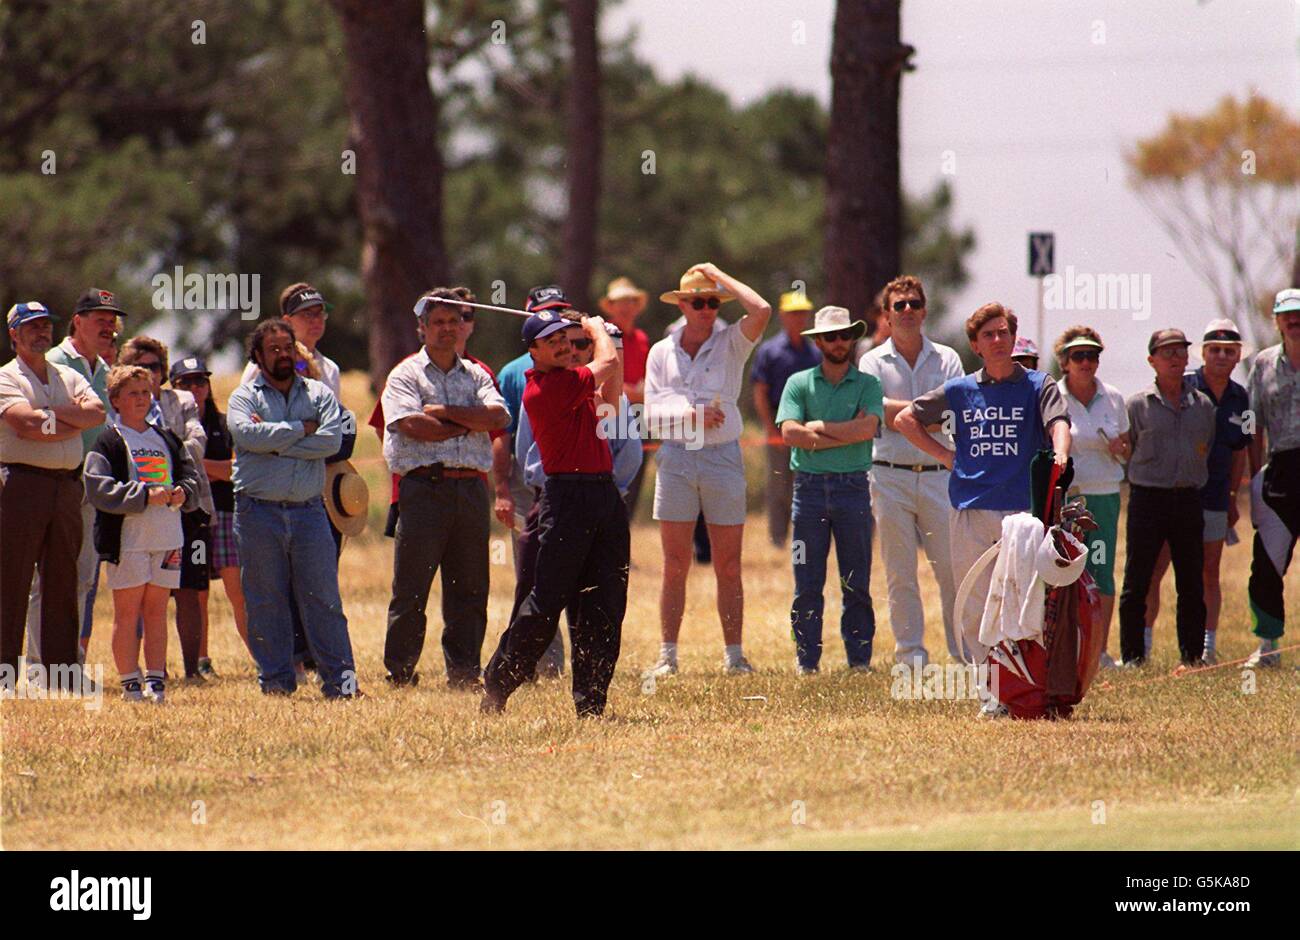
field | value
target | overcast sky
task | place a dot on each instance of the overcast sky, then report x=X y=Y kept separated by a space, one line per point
x=1036 y=113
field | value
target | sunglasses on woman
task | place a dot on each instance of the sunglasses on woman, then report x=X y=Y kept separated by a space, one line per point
x=901 y=305
x=712 y=303
x=1085 y=355
x=191 y=381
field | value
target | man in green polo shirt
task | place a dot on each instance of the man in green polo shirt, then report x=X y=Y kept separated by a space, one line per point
x=829 y=415
x=90 y=337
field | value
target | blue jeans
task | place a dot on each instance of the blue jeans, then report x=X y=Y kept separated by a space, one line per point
x=826 y=505
x=288 y=551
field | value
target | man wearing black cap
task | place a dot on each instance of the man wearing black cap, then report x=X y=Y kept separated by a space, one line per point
x=305 y=310
x=1171 y=430
x=583 y=543
x=90 y=338
x=438 y=410
x=45 y=407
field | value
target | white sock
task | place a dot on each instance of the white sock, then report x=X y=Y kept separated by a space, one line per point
x=154 y=674
x=668 y=652
x=734 y=654
x=1209 y=640
x=131 y=677
x=1147 y=640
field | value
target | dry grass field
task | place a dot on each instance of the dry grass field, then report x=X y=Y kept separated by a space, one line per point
x=704 y=761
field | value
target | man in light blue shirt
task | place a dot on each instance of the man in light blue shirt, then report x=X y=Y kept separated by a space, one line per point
x=283 y=427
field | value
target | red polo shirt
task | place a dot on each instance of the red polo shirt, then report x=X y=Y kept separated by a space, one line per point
x=636 y=349
x=562 y=413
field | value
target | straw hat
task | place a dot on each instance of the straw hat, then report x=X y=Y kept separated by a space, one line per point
x=622 y=288
x=347 y=498
x=694 y=284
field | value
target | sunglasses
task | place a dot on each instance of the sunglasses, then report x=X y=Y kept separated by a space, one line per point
x=467 y=316
x=901 y=305
x=189 y=381
x=580 y=343
x=712 y=303
x=837 y=336
x=1085 y=355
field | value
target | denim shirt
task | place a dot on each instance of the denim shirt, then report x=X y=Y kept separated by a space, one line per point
x=274 y=459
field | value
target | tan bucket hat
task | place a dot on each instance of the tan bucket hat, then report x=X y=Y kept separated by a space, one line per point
x=347 y=498
x=622 y=288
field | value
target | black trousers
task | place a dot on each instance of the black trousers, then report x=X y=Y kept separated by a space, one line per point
x=441 y=523
x=1157 y=516
x=40 y=529
x=1274 y=544
x=526 y=568
x=583 y=553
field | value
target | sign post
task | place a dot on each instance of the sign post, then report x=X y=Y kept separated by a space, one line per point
x=1042 y=262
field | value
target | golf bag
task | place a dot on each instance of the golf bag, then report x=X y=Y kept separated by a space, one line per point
x=1047 y=676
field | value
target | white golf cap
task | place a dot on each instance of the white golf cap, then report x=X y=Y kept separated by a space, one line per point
x=1221 y=331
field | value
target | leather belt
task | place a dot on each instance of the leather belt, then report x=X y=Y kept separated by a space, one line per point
x=914 y=467
x=581 y=477
x=437 y=471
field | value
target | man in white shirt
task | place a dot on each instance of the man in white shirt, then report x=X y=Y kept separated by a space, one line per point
x=909 y=490
x=44 y=408
x=693 y=380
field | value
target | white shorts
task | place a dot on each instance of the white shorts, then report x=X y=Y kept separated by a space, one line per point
x=709 y=480
x=162 y=569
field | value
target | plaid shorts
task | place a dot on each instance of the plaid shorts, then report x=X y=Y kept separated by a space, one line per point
x=221 y=542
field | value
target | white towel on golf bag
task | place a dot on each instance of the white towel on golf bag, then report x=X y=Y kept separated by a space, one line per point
x=1009 y=613
x=1028 y=560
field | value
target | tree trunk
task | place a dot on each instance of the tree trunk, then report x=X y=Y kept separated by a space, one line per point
x=864 y=209
x=584 y=143
x=1295 y=263
x=399 y=168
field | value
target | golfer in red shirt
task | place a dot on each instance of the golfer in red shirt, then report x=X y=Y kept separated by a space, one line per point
x=583 y=540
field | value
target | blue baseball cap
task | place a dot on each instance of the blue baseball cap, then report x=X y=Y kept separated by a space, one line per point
x=25 y=312
x=544 y=323
x=192 y=365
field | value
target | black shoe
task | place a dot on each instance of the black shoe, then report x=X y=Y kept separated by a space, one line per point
x=403 y=682
x=491 y=705
x=474 y=685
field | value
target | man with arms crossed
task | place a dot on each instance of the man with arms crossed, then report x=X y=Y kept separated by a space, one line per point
x=909 y=488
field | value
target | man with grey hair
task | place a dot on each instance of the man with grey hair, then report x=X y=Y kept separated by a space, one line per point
x=438 y=411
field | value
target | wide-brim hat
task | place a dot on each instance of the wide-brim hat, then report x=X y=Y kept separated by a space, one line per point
x=694 y=284
x=622 y=288
x=347 y=498
x=1221 y=331
x=834 y=319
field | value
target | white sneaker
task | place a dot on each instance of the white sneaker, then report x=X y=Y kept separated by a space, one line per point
x=1209 y=658
x=1107 y=662
x=740 y=667
x=991 y=710
x=664 y=667
x=131 y=691
x=155 y=690
x=1266 y=657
